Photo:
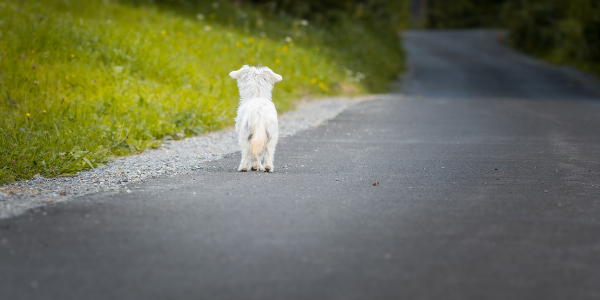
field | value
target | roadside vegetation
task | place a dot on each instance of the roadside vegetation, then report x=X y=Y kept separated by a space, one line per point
x=559 y=31
x=444 y=14
x=82 y=82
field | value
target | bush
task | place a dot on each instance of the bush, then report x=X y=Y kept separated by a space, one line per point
x=561 y=31
x=443 y=14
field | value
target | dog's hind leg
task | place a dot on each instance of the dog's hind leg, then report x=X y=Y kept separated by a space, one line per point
x=245 y=163
x=269 y=156
x=257 y=163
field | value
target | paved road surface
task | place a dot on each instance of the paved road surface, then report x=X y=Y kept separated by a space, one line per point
x=488 y=176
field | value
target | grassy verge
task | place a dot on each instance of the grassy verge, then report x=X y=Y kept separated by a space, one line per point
x=84 y=81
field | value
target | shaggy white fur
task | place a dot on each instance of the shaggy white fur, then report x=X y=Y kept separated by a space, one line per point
x=256 y=121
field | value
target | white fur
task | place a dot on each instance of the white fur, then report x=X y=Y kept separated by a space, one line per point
x=256 y=121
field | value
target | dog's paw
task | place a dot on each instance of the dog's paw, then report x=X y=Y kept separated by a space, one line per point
x=268 y=169
x=242 y=170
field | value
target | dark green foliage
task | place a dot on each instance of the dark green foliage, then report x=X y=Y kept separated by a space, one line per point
x=561 y=31
x=379 y=20
x=390 y=14
x=464 y=14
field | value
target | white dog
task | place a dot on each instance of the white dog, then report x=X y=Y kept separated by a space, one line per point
x=256 y=121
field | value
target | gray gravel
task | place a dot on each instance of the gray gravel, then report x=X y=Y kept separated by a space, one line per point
x=172 y=158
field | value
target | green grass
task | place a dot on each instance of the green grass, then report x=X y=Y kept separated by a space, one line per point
x=84 y=81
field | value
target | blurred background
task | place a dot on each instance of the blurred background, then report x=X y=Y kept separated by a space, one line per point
x=559 y=31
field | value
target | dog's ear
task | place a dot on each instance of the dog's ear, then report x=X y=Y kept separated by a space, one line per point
x=238 y=73
x=274 y=76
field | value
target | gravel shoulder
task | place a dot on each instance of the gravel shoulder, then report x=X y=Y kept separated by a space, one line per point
x=172 y=158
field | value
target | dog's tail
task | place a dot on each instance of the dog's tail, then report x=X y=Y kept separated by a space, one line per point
x=259 y=139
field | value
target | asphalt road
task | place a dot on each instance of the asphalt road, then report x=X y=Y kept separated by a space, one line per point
x=488 y=176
